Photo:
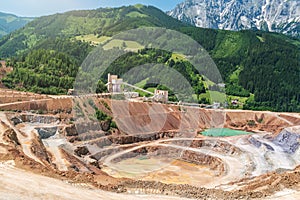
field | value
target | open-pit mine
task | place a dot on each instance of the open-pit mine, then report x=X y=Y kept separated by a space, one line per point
x=55 y=147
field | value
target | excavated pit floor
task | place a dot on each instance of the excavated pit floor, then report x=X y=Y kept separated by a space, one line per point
x=245 y=161
x=173 y=171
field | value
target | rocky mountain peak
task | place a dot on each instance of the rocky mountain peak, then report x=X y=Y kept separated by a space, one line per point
x=269 y=15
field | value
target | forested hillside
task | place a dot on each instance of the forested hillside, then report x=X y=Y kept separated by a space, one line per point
x=100 y=22
x=266 y=65
x=263 y=68
x=43 y=71
x=9 y=23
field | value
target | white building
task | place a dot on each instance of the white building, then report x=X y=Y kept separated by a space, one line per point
x=216 y=105
x=161 y=96
x=114 y=84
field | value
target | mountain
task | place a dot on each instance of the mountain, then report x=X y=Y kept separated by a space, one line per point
x=100 y=22
x=9 y=23
x=281 y=16
x=259 y=68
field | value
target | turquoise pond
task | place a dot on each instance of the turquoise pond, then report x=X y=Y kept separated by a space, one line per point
x=223 y=132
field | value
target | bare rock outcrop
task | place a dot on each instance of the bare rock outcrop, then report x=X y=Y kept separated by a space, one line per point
x=81 y=151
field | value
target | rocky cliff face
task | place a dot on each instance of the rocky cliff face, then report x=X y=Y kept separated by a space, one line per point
x=269 y=15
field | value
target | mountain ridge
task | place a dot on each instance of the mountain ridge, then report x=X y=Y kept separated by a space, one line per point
x=101 y=21
x=11 y=22
x=267 y=15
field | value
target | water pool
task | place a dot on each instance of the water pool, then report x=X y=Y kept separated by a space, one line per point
x=223 y=132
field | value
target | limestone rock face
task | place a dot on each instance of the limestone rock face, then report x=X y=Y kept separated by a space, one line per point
x=71 y=130
x=288 y=141
x=82 y=151
x=281 y=16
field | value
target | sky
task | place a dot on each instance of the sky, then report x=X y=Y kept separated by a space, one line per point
x=35 y=8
